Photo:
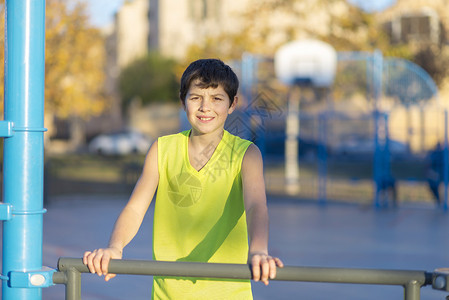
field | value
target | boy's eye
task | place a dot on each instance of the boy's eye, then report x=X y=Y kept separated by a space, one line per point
x=218 y=99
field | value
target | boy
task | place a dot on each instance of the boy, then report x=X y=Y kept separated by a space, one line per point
x=210 y=195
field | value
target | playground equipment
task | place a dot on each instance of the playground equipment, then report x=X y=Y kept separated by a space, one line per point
x=300 y=64
x=23 y=275
x=70 y=270
x=387 y=86
x=306 y=62
x=408 y=85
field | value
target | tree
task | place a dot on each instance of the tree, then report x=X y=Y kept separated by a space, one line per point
x=74 y=61
x=150 y=79
x=435 y=61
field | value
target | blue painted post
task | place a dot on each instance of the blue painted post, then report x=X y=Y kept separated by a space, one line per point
x=445 y=161
x=22 y=208
x=322 y=158
x=377 y=159
x=377 y=65
x=387 y=176
x=247 y=91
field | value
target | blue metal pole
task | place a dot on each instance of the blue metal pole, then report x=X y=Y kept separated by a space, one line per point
x=322 y=158
x=386 y=164
x=377 y=160
x=23 y=150
x=247 y=86
x=445 y=161
x=377 y=65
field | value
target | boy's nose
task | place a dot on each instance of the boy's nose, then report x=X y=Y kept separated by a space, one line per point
x=205 y=105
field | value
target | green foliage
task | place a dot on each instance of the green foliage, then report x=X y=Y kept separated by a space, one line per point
x=74 y=60
x=435 y=61
x=150 y=79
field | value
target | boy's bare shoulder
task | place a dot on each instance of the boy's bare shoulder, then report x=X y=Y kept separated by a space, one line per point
x=253 y=150
x=152 y=154
x=252 y=155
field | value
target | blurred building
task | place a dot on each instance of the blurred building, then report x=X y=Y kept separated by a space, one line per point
x=131 y=30
x=419 y=23
x=172 y=26
x=423 y=26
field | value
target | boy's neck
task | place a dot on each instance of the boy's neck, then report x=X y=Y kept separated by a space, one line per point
x=205 y=140
x=202 y=147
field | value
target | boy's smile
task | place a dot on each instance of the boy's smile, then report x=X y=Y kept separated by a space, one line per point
x=207 y=108
x=205 y=119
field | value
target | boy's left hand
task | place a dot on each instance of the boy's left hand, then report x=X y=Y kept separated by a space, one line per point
x=263 y=266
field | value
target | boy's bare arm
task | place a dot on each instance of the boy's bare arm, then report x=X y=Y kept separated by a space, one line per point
x=129 y=220
x=263 y=265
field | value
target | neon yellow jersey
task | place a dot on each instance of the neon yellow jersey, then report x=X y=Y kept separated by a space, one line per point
x=200 y=217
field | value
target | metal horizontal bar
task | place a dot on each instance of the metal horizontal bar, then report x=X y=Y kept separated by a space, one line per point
x=29 y=212
x=59 y=278
x=241 y=271
x=30 y=129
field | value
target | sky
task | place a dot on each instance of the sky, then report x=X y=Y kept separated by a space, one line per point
x=372 y=5
x=102 y=11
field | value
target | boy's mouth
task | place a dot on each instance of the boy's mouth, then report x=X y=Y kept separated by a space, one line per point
x=205 y=119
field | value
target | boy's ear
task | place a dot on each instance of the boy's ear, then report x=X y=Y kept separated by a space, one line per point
x=183 y=103
x=233 y=105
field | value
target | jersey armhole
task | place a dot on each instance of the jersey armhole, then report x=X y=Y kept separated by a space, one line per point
x=245 y=148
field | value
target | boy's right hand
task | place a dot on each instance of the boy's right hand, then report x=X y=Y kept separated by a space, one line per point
x=98 y=261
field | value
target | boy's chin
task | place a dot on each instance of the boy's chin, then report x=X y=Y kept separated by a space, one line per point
x=204 y=131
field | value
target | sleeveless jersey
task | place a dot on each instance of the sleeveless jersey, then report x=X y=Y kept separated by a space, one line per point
x=200 y=217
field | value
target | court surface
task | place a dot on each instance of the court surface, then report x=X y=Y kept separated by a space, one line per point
x=302 y=233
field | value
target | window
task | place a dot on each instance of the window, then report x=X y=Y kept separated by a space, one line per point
x=422 y=26
x=416 y=28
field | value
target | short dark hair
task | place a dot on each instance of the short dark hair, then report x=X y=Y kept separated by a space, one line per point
x=210 y=73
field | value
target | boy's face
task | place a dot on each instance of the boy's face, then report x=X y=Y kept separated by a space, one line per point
x=207 y=109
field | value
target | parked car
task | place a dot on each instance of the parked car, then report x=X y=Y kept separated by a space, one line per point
x=120 y=143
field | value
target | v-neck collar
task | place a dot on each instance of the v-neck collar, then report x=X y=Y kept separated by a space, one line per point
x=203 y=170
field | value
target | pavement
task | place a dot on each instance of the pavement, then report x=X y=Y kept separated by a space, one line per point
x=302 y=233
